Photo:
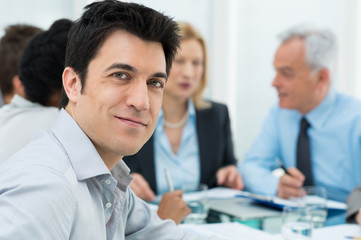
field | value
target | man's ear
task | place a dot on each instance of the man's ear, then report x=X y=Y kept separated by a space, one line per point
x=72 y=84
x=18 y=86
x=323 y=77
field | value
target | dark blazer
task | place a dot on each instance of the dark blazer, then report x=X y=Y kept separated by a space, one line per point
x=215 y=147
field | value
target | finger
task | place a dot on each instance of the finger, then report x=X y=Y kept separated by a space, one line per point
x=290 y=181
x=287 y=192
x=177 y=193
x=230 y=177
x=148 y=194
x=238 y=183
x=294 y=172
x=220 y=176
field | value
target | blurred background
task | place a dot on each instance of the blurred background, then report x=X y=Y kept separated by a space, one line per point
x=242 y=37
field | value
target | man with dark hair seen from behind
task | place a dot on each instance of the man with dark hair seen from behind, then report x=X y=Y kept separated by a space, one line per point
x=12 y=45
x=60 y=186
x=40 y=71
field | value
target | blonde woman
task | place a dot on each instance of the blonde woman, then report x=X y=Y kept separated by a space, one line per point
x=192 y=139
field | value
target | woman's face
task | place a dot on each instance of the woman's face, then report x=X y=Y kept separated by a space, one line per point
x=187 y=70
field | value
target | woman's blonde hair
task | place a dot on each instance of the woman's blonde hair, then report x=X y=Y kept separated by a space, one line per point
x=187 y=31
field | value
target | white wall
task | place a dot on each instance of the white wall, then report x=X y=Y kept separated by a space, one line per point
x=241 y=37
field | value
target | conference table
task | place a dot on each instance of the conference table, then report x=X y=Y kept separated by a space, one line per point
x=227 y=214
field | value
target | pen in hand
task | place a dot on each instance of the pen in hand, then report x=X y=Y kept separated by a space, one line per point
x=169 y=180
x=280 y=164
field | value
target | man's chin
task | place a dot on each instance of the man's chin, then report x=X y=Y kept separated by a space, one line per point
x=132 y=151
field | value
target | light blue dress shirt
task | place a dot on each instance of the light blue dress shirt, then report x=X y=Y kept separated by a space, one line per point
x=183 y=167
x=58 y=187
x=335 y=140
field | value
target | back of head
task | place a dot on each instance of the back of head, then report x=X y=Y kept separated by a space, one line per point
x=187 y=31
x=12 y=45
x=320 y=46
x=42 y=64
x=102 y=18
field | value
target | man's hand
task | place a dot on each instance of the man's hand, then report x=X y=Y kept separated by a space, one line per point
x=173 y=207
x=229 y=177
x=141 y=188
x=291 y=183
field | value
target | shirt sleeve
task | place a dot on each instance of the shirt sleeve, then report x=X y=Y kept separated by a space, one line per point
x=353 y=204
x=35 y=206
x=259 y=161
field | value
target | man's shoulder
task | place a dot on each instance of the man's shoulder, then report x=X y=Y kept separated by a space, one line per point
x=344 y=101
x=42 y=154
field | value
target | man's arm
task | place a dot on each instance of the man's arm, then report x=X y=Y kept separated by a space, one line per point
x=35 y=203
x=259 y=161
x=353 y=201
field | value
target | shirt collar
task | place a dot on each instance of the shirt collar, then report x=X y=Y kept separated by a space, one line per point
x=320 y=114
x=19 y=101
x=83 y=156
x=121 y=173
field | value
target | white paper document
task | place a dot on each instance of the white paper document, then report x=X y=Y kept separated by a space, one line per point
x=337 y=232
x=227 y=231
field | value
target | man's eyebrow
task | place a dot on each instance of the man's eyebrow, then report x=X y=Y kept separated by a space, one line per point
x=133 y=69
x=122 y=66
x=160 y=75
x=288 y=69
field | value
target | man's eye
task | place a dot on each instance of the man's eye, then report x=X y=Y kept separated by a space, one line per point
x=156 y=83
x=120 y=75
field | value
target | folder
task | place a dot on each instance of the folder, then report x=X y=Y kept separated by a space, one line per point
x=277 y=202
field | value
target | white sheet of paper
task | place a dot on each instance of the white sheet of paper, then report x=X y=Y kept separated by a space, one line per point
x=231 y=231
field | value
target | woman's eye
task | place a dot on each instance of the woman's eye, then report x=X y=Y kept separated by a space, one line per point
x=179 y=61
x=196 y=63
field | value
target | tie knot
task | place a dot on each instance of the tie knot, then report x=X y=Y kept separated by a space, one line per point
x=304 y=124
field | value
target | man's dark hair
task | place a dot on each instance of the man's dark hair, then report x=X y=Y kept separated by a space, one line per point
x=12 y=45
x=42 y=64
x=102 y=18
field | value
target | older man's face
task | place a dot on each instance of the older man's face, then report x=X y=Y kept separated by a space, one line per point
x=296 y=85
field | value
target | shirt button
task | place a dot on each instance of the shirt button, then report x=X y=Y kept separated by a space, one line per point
x=107 y=181
x=108 y=205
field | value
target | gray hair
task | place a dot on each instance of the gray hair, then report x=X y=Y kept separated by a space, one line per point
x=320 y=47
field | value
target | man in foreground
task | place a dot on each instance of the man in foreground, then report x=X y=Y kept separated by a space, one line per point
x=59 y=186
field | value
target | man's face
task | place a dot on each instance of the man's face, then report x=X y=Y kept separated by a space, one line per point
x=119 y=107
x=296 y=85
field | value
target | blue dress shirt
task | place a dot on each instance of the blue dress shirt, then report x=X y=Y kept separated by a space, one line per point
x=58 y=187
x=335 y=141
x=184 y=167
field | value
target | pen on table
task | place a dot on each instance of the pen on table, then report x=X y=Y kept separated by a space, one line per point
x=357 y=238
x=169 y=180
x=280 y=164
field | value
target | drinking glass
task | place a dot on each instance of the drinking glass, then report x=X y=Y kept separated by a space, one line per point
x=197 y=202
x=296 y=223
x=315 y=198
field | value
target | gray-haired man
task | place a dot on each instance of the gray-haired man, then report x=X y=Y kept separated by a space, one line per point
x=313 y=130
